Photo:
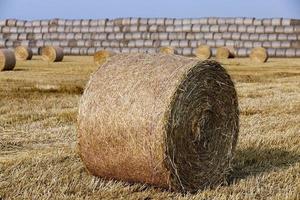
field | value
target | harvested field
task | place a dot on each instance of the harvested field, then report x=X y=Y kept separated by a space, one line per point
x=38 y=113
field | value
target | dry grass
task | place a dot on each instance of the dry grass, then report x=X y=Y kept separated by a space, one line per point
x=38 y=110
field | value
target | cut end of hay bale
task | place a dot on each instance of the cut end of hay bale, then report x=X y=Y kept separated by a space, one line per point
x=159 y=119
x=225 y=53
x=7 y=60
x=259 y=54
x=203 y=52
x=52 y=54
x=23 y=53
x=100 y=57
x=167 y=50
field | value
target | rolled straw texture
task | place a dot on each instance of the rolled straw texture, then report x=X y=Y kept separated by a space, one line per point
x=203 y=52
x=167 y=50
x=52 y=54
x=23 y=53
x=101 y=56
x=259 y=54
x=159 y=119
x=7 y=60
x=225 y=52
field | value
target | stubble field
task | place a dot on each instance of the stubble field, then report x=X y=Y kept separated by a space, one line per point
x=38 y=155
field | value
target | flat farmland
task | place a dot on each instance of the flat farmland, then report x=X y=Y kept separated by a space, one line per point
x=38 y=150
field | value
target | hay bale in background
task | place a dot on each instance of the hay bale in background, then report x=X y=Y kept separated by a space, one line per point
x=7 y=60
x=137 y=123
x=225 y=53
x=203 y=52
x=259 y=54
x=101 y=56
x=23 y=53
x=52 y=54
x=167 y=50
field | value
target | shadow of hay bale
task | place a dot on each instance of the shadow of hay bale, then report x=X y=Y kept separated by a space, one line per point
x=253 y=161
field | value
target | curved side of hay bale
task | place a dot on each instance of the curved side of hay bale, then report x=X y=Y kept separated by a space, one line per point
x=52 y=54
x=159 y=119
x=225 y=53
x=167 y=50
x=23 y=53
x=259 y=54
x=7 y=60
x=101 y=56
x=203 y=52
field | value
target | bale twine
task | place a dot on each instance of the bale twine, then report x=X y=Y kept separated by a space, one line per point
x=203 y=52
x=225 y=53
x=159 y=119
x=7 y=60
x=52 y=54
x=23 y=53
x=102 y=56
x=167 y=50
x=259 y=54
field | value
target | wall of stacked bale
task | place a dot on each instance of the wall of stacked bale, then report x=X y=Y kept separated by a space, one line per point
x=281 y=37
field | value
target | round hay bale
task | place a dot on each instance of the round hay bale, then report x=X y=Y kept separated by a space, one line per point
x=101 y=56
x=225 y=53
x=167 y=50
x=259 y=54
x=52 y=54
x=23 y=53
x=159 y=119
x=7 y=60
x=203 y=52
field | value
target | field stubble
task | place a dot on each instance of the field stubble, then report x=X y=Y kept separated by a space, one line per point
x=38 y=111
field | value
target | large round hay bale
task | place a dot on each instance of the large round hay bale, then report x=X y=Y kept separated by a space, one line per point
x=23 y=53
x=203 y=52
x=7 y=60
x=101 y=56
x=52 y=54
x=259 y=54
x=167 y=50
x=225 y=53
x=159 y=119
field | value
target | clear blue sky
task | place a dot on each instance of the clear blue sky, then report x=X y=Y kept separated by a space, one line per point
x=72 y=9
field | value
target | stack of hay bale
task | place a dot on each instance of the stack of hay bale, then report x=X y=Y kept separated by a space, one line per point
x=281 y=37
